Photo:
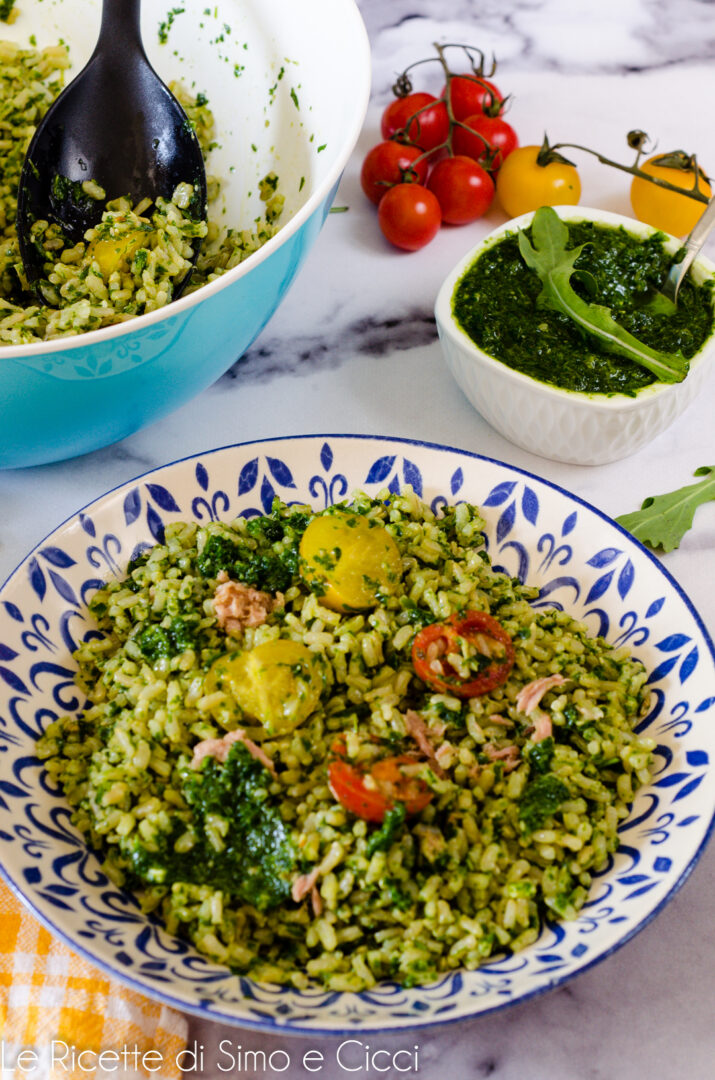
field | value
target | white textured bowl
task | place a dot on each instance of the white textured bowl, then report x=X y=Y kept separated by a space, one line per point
x=564 y=425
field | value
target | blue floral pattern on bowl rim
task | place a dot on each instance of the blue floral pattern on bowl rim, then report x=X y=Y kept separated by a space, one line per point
x=581 y=561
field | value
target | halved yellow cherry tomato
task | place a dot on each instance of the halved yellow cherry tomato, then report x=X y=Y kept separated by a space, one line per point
x=352 y=558
x=278 y=683
x=524 y=185
x=116 y=253
x=663 y=209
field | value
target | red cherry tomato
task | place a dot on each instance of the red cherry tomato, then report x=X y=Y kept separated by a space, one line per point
x=485 y=638
x=423 y=122
x=409 y=216
x=391 y=163
x=390 y=783
x=469 y=94
x=500 y=136
x=463 y=188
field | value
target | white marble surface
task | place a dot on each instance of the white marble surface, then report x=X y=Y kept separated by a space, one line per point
x=354 y=349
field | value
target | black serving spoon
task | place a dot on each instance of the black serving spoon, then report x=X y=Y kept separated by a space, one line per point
x=116 y=123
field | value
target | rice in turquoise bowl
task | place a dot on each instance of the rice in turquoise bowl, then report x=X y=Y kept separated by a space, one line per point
x=278 y=95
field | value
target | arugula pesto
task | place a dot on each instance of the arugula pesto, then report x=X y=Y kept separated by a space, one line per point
x=542 y=797
x=157 y=643
x=241 y=843
x=265 y=558
x=501 y=304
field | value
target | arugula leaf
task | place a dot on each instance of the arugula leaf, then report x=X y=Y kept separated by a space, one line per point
x=549 y=258
x=663 y=520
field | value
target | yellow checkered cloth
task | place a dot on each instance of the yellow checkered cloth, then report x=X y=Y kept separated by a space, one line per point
x=62 y=1017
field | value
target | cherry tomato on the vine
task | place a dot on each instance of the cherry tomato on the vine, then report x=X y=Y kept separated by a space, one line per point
x=422 y=117
x=391 y=781
x=500 y=136
x=663 y=209
x=523 y=184
x=463 y=188
x=391 y=163
x=469 y=94
x=479 y=638
x=409 y=216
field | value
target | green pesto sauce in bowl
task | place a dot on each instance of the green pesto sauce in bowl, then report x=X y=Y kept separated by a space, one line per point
x=495 y=303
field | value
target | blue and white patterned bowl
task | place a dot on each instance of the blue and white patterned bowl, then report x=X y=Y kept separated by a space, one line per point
x=288 y=84
x=581 y=561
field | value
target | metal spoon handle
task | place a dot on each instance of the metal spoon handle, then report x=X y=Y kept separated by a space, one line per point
x=698 y=236
x=692 y=246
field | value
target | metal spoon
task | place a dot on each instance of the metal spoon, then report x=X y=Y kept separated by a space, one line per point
x=115 y=123
x=692 y=246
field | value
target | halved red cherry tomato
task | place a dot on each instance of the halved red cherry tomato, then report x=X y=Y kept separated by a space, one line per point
x=392 y=784
x=484 y=633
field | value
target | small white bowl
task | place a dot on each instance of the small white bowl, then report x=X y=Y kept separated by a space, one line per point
x=565 y=425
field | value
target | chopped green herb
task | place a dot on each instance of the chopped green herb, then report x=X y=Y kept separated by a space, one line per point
x=384 y=837
x=166 y=25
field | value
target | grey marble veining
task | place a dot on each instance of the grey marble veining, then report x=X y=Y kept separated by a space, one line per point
x=570 y=36
x=353 y=348
x=308 y=354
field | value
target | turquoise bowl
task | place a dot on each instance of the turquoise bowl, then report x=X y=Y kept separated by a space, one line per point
x=73 y=395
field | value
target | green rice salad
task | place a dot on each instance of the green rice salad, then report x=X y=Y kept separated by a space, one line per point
x=341 y=747
x=129 y=263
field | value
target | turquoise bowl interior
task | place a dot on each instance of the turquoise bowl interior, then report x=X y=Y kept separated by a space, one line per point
x=288 y=85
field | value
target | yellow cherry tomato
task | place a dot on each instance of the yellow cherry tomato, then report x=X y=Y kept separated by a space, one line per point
x=524 y=185
x=663 y=209
x=278 y=683
x=351 y=558
x=115 y=253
